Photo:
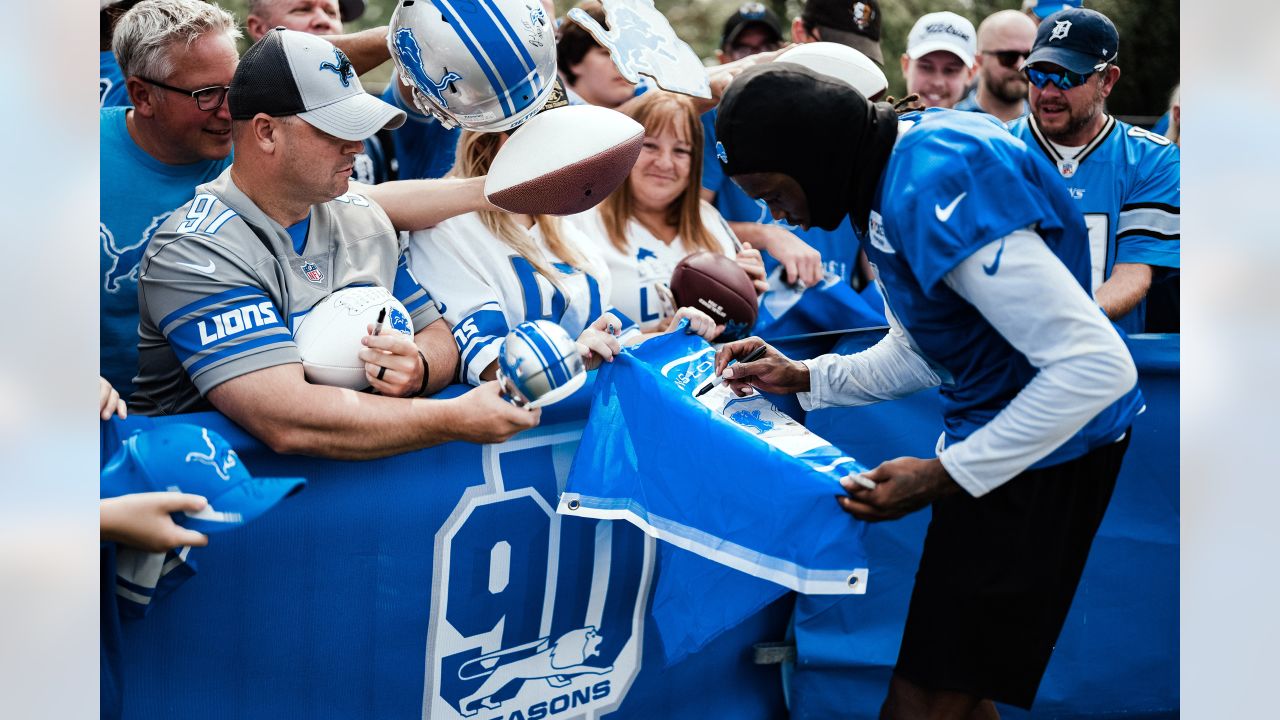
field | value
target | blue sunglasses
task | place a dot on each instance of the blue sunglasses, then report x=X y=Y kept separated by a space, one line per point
x=1064 y=80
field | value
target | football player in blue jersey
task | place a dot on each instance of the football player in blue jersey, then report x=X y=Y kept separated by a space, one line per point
x=1124 y=179
x=981 y=256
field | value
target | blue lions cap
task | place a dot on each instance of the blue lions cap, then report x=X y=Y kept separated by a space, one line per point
x=1045 y=8
x=1079 y=40
x=194 y=460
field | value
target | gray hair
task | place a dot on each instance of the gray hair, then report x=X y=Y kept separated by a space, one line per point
x=143 y=35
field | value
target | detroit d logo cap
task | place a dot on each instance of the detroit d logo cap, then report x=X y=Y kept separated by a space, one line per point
x=296 y=73
x=1078 y=39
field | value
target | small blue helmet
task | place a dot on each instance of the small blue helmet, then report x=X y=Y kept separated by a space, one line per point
x=539 y=364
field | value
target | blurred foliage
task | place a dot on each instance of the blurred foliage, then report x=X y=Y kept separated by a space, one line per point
x=1148 y=37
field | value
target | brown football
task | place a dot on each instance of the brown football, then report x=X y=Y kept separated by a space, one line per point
x=714 y=284
x=564 y=161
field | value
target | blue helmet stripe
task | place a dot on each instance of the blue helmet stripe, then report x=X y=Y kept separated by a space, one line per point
x=514 y=41
x=551 y=359
x=487 y=43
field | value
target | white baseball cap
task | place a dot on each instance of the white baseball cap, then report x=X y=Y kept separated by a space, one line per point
x=295 y=73
x=943 y=31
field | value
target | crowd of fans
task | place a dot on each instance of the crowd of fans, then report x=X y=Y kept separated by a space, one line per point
x=203 y=146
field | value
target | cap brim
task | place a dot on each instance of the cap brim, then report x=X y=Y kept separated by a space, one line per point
x=355 y=117
x=1070 y=59
x=861 y=43
x=925 y=48
x=240 y=504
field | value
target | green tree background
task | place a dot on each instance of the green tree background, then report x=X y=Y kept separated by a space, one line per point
x=1148 y=37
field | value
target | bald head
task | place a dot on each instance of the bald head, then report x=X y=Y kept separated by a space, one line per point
x=1006 y=30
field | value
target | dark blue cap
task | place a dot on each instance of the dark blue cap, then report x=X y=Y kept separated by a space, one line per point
x=197 y=461
x=1077 y=39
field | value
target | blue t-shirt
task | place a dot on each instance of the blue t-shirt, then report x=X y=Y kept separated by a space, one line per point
x=955 y=182
x=423 y=147
x=1127 y=183
x=137 y=193
x=831 y=306
x=111 y=90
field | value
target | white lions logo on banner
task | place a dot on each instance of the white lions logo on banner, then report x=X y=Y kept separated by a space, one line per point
x=533 y=614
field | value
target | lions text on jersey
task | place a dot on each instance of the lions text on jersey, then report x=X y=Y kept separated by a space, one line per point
x=954 y=183
x=222 y=288
x=485 y=288
x=1127 y=183
x=646 y=265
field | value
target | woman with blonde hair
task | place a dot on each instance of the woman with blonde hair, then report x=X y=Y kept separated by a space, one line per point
x=657 y=217
x=491 y=270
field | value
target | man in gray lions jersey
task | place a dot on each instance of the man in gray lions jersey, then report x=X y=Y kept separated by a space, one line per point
x=229 y=275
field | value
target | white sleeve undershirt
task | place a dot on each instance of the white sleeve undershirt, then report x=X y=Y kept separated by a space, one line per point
x=1040 y=309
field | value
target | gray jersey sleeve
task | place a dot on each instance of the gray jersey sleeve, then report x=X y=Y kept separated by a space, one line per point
x=203 y=294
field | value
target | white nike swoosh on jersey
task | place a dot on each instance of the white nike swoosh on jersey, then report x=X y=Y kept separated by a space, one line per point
x=206 y=269
x=944 y=214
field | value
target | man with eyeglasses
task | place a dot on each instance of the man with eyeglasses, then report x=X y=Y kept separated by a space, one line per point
x=177 y=57
x=1004 y=41
x=1124 y=179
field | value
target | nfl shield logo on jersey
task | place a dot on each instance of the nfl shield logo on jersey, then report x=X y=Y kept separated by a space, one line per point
x=313 y=272
x=533 y=614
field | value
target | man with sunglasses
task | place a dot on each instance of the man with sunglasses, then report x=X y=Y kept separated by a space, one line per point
x=1004 y=41
x=1125 y=180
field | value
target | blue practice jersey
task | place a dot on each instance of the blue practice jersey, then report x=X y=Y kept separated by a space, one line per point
x=137 y=194
x=1127 y=183
x=111 y=90
x=423 y=147
x=954 y=183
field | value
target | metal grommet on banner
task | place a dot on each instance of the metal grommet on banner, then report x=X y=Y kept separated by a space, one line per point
x=574 y=504
x=853 y=580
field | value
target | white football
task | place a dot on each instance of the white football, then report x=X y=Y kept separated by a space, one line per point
x=328 y=337
x=564 y=161
x=842 y=63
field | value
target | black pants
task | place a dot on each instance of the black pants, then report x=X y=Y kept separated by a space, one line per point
x=997 y=577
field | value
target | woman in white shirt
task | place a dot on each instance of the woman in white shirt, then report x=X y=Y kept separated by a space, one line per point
x=491 y=270
x=657 y=217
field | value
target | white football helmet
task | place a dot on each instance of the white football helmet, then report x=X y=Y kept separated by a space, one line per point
x=486 y=65
x=539 y=364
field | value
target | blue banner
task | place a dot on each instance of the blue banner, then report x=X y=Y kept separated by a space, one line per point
x=439 y=584
x=733 y=480
x=411 y=586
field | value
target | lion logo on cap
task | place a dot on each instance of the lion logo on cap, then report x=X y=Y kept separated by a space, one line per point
x=342 y=67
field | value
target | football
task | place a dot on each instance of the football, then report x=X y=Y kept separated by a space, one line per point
x=564 y=161
x=328 y=337
x=714 y=284
x=841 y=62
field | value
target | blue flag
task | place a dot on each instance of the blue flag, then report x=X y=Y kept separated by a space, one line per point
x=733 y=480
